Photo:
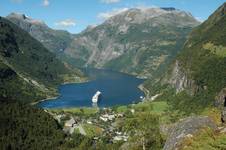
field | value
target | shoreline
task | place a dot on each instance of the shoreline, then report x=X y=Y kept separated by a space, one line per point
x=48 y=98
x=146 y=92
x=42 y=100
x=85 y=80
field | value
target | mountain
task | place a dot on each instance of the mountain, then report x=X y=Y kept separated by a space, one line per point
x=136 y=41
x=125 y=42
x=25 y=61
x=28 y=73
x=198 y=73
x=54 y=40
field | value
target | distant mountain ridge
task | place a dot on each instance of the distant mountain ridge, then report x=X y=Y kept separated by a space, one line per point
x=55 y=40
x=137 y=41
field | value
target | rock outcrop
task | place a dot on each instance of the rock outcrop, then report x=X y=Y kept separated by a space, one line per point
x=220 y=102
x=220 y=99
x=186 y=128
x=179 y=80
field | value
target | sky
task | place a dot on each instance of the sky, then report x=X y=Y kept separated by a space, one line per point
x=75 y=15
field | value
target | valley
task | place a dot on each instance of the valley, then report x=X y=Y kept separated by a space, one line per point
x=161 y=74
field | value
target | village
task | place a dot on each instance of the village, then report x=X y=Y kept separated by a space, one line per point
x=103 y=123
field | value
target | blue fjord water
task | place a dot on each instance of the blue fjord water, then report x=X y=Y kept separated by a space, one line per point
x=116 y=88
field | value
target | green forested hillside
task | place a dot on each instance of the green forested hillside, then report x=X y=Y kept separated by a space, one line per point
x=13 y=86
x=204 y=52
x=33 y=64
x=203 y=56
x=26 y=55
x=28 y=72
x=24 y=127
x=201 y=67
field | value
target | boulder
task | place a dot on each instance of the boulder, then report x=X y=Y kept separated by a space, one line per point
x=186 y=128
x=220 y=99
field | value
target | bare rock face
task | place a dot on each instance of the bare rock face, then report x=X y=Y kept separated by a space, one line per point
x=220 y=100
x=223 y=115
x=179 y=80
x=186 y=128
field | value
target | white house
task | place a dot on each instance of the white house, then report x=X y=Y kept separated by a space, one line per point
x=104 y=119
x=70 y=123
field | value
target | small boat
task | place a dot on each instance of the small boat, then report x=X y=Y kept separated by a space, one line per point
x=95 y=98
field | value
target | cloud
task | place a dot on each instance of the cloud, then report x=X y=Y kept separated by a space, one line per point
x=109 y=14
x=45 y=3
x=110 y=1
x=66 y=23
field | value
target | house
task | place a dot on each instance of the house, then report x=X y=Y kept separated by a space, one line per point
x=119 y=115
x=107 y=117
x=104 y=119
x=70 y=123
x=89 y=122
x=120 y=138
x=132 y=111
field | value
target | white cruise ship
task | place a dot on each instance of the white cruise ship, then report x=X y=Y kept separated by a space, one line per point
x=96 y=97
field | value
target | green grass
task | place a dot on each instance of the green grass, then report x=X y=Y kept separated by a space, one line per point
x=153 y=107
x=217 y=50
x=147 y=125
x=159 y=107
x=122 y=109
x=206 y=139
x=76 y=131
x=83 y=111
x=92 y=130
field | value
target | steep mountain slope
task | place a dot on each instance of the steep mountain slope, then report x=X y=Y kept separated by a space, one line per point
x=137 y=41
x=54 y=40
x=25 y=59
x=12 y=86
x=28 y=72
x=200 y=68
x=204 y=55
